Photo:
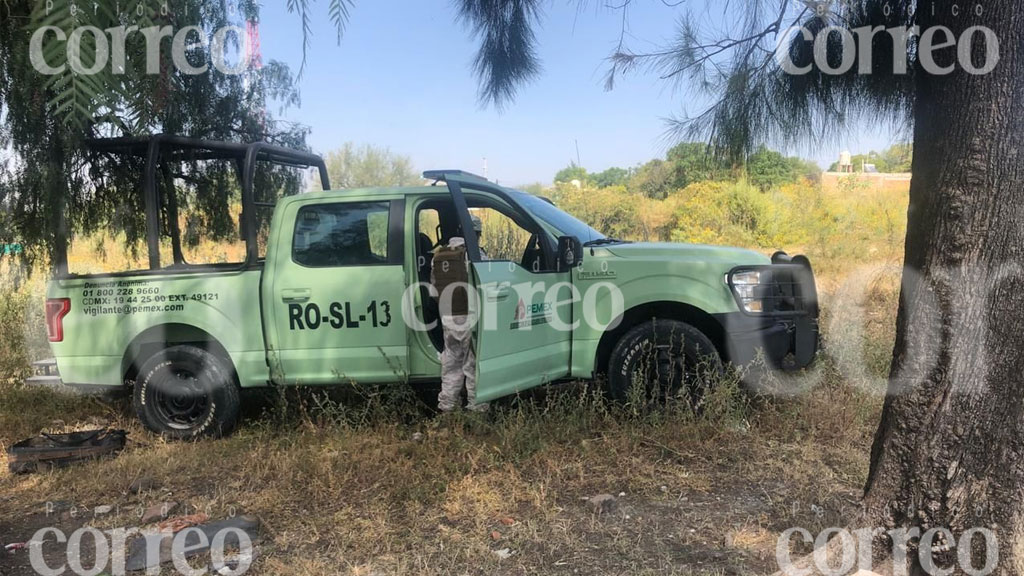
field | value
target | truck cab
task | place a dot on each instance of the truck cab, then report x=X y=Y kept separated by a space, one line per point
x=342 y=295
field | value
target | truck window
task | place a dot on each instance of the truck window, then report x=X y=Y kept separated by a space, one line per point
x=504 y=239
x=343 y=234
x=427 y=223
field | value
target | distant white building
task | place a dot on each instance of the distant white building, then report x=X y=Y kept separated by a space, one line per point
x=846 y=161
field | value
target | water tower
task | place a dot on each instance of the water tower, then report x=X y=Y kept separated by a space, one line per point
x=845 y=161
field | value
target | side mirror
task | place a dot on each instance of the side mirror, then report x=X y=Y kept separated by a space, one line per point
x=570 y=253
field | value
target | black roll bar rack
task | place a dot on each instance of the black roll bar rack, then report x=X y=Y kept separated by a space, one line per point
x=161 y=149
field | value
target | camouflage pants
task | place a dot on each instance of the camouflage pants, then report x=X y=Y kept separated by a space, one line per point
x=458 y=365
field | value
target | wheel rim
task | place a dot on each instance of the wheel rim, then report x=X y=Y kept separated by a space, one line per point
x=181 y=400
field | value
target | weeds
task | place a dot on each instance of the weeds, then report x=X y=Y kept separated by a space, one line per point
x=357 y=480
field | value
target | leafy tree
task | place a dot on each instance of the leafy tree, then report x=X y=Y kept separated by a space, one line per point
x=613 y=176
x=768 y=169
x=654 y=179
x=899 y=157
x=602 y=208
x=805 y=169
x=366 y=166
x=49 y=117
x=54 y=188
x=695 y=162
x=571 y=172
x=952 y=430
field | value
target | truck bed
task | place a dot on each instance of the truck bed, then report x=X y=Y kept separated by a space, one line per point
x=111 y=315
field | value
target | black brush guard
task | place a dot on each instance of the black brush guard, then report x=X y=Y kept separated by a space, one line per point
x=787 y=326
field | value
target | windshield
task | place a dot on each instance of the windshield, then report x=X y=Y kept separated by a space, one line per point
x=560 y=221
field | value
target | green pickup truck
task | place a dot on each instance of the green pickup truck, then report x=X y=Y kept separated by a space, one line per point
x=342 y=295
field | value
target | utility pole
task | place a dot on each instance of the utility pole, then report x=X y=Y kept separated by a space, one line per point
x=485 y=167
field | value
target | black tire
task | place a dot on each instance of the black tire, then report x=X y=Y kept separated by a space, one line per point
x=185 y=392
x=668 y=358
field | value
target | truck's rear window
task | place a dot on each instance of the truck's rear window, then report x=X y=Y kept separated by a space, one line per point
x=342 y=234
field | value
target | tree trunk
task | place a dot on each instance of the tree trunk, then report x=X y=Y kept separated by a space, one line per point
x=57 y=195
x=949 y=451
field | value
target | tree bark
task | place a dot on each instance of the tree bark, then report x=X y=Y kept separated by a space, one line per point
x=949 y=451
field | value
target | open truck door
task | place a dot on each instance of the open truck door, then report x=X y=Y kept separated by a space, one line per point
x=523 y=335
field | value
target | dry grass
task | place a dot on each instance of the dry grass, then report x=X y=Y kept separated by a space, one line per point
x=348 y=490
x=342 y=487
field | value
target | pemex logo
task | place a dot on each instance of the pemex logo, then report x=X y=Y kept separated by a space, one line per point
x=520 y=310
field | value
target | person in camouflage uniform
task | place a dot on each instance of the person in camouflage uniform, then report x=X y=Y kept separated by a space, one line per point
x=450 y=275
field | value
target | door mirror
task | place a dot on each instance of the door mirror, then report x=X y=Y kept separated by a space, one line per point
x=570 y=253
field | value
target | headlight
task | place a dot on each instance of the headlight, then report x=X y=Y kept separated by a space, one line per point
x=746 y=286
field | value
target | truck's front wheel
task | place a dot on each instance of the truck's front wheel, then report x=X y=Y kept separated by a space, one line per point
x=185 y=392
x=661 y=359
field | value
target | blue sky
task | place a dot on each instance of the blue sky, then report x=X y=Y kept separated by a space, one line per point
x=401 y=78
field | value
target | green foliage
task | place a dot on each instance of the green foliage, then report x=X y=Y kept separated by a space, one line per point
x=507 y=58
x=22 y=320
x=694 y=162
x=613 y=176
x=14 y=354
x=365 y=166
x=725 y=213
x=769 y=169
x=805 y=169
x=55 y=188
x=779 y=205
x=654 y=179
x=854 y=225
x=899 y=157
x=572 y=172
x=337 y=11
x=609 y=210
x=691 y=162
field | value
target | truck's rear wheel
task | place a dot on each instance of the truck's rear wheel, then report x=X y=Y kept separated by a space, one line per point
x=185 y=392
x=663 y=358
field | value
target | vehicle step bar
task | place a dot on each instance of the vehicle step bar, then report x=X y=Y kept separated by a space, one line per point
x=53 y=382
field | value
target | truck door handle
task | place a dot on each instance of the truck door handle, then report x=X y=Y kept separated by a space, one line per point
x=296 y=294
x=499 y=292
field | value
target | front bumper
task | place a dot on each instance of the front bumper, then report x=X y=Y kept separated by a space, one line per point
x=785 y=329
x=786 y=343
